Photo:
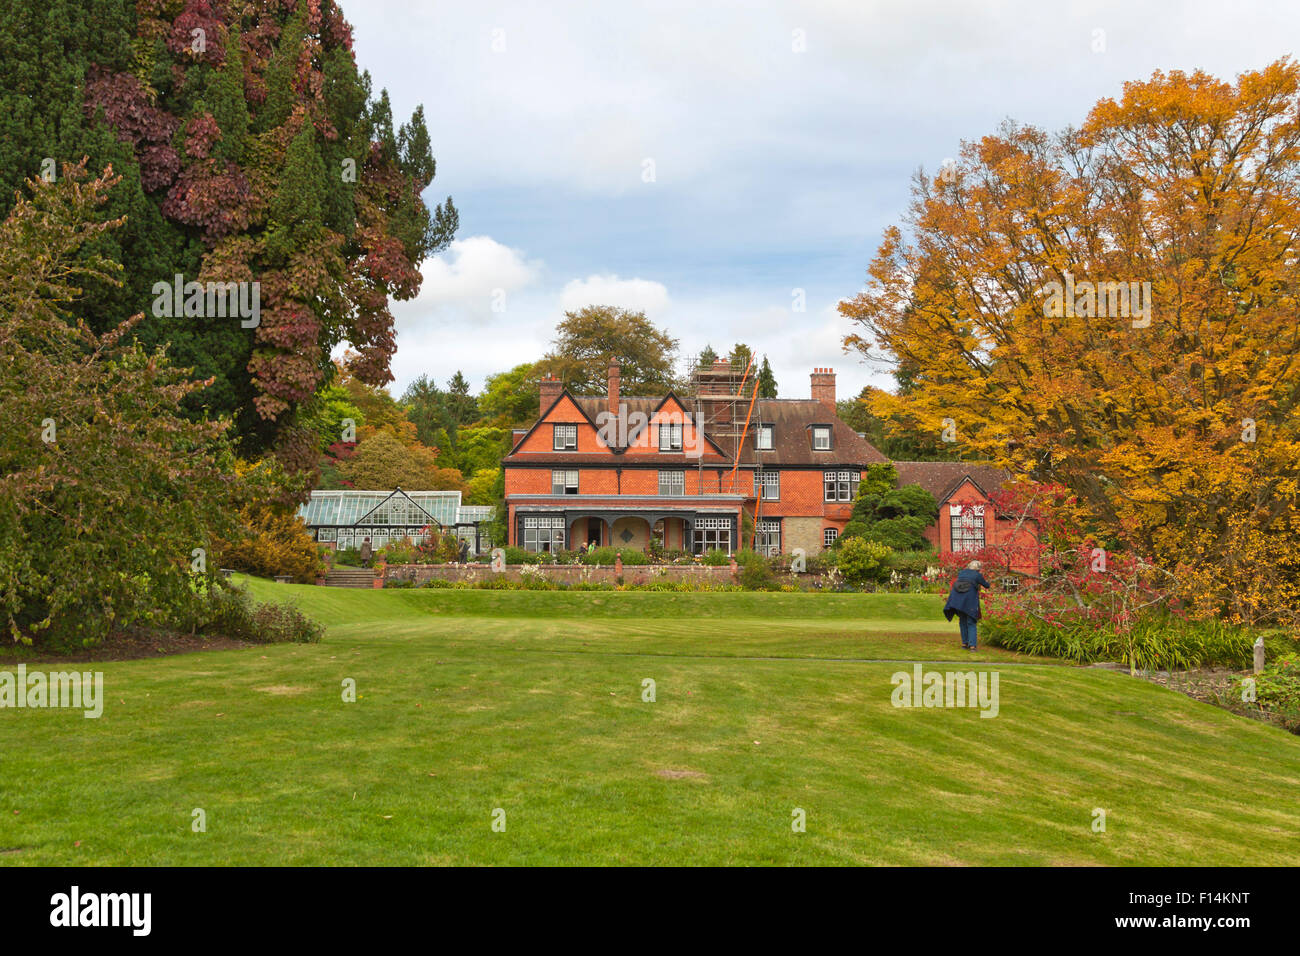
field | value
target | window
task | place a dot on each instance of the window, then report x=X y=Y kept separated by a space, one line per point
x=821 y=437
x=564 y=482
x=325 y=534
x=670 y=437
x=770 y=484
x=672 y=482
x=711 y=533
x=566 y=437
x=1009 y=583
x=841 y=485
x=768 y=540
x=543 y=532
x=763 y=438
x=967 y=528
x=829 y=537
x=397 y=510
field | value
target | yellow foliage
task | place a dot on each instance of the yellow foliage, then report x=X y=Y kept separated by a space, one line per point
x=1114 y=309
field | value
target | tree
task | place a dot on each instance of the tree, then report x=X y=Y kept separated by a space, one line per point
x=1113 y=309
x=766 y=381
x=589 y=338
x=707 y=357
x=512 y=397
x=740 y=358
x=896 y=436
x=111 y=501
x=383 y=462
x=260 y=156
x=425 y=406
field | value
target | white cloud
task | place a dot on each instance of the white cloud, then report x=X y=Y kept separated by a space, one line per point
x=638 y=295
x=470 y=277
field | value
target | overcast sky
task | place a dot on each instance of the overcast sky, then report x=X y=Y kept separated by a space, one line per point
x=780 y=139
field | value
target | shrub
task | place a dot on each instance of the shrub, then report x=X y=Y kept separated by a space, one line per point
x=904 y=533
x=233 y=615
x=716 y=557
x=347 y=557
x=1277 y=688
x=99 y=521
x=861 y=561
x=856 y=528
x=1156 y=641
x=273 y=543
x=285 y=624
x=757 y=575
x=399 y=552
x=606 y=556
x=515 y=555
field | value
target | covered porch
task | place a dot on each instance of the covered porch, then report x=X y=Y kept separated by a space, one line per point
x=552 y=527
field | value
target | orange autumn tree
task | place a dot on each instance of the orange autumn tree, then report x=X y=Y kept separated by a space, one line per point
x=1114 y=308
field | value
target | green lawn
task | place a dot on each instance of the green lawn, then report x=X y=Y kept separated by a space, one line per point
x=530 y=702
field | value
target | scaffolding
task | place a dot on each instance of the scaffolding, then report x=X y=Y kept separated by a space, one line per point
x=725 y=397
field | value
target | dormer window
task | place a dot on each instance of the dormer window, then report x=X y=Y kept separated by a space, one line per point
x=763 y=438
x=821 y=437
x=670 y=437
x=566 y=437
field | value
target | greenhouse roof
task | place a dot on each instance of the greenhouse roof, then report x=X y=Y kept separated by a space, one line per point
x=390 y=507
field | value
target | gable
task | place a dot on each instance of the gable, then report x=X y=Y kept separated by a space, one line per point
x=565 y=411
x=643 y=435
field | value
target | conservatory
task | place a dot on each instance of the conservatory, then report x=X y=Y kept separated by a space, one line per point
x=344 y=519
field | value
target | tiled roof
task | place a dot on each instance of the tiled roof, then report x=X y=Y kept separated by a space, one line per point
x=941 y=478
x=792 y=420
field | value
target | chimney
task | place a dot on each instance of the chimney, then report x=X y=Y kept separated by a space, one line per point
x=823 y=387
x=613 y=387
x=548 y=390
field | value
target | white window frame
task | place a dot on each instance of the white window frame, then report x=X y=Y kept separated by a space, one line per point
x=670 y=436
x=969 y=521
x=564 y=437
x=764 y=437
x=821 y=431
x=560 y=479
x=769 y=484
x=830 y=536
x=711 y=533
x=840 y=485
x=674 y=481
x=543 y=533
x=768 y=536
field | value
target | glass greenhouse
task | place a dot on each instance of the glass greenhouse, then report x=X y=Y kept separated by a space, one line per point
x=346 y=518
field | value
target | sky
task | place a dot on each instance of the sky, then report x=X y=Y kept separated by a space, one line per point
x=719 y=164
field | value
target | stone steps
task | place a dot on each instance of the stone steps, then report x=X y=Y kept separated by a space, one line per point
x=350 y=578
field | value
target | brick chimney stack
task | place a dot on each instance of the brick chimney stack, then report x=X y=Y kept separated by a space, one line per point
x=548 y=390
x=823 y=386
x=613 y=386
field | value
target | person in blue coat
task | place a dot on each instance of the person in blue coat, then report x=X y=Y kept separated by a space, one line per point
x=964 y=601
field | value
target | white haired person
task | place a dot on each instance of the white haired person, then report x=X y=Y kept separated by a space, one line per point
x=964 y=601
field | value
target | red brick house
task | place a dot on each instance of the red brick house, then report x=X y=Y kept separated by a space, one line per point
x=968 y=517
x=688 y=471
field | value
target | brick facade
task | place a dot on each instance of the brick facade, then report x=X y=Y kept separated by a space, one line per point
x=644 y=468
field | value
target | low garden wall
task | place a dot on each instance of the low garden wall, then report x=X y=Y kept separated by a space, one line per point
x=566 y=573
